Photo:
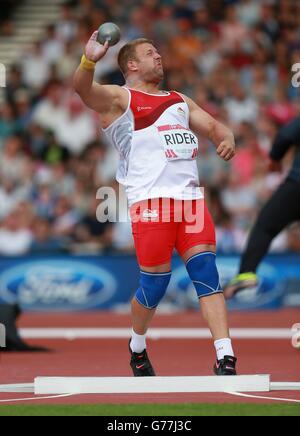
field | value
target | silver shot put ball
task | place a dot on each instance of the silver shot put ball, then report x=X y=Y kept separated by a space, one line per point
x=109 y=32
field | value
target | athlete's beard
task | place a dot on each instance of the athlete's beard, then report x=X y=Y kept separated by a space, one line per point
x=155 y=76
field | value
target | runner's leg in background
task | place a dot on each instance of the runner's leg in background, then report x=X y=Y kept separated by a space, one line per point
x=281 y=210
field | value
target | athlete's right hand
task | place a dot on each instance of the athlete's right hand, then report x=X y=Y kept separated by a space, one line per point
x=94 y=51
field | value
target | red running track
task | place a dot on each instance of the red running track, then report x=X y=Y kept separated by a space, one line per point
x=172 y=357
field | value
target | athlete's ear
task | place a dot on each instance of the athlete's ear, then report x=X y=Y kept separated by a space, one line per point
x=132 y=66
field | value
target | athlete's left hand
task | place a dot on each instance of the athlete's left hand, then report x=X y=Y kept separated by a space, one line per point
x=226 y=149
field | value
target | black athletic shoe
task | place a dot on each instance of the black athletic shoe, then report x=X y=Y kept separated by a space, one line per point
x=226 y=366
x=141 y=365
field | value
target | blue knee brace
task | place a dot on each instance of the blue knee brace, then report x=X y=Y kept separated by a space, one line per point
x=203 y=272
x=152 y=289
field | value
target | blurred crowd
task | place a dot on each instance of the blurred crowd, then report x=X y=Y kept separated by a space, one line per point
x=233 y=58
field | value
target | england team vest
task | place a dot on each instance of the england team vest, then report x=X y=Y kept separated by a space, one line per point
x=157 y=149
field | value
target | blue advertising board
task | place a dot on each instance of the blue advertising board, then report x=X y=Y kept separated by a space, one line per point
x=273 y=291
x=68 y=283
x=90 y=283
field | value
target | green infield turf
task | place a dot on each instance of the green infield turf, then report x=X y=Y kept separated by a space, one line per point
x=153 y=410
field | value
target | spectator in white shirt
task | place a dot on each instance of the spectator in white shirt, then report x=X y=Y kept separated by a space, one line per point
x=7 y=197
x=67 y=26
x=35 y=70
x=76 y=128
x=249 y=12
x=68 y=62
x=14 y=239
x=50 y=110
x=240 y=107
x=52 y=47
x=13 y=160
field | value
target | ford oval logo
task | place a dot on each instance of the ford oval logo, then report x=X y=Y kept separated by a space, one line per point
x=57 y=285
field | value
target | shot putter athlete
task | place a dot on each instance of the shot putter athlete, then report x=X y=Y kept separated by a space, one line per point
x=156 y=134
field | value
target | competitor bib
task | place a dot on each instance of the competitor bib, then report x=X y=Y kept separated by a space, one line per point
x=178 y=142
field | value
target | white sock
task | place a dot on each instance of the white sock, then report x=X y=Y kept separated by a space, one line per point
x=138 y=342
x=224 y=348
